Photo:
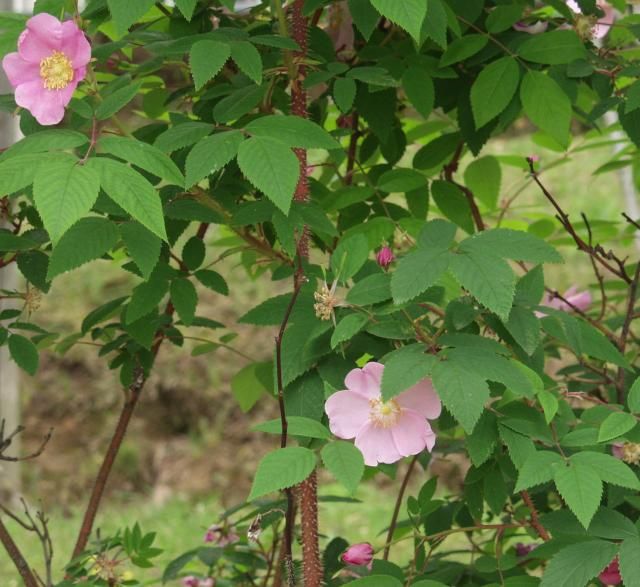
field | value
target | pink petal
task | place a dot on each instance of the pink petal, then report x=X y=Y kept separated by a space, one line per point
x=42 y=36
x=18 y=70
x=75 y=45
x=581 y=300
x=603 y=26
x=47 y=106
x=365 y=381
x=348 y=412
x=412 y=434
x=377 y=445
x=573 y=5
x=421 y=398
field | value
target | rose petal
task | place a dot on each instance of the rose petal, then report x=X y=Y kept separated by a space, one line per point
x=18 y=70
x=412 y=434
x=365 y=381
x=42 y=36
x=377 y=445
x=421 y=398
x=47 y=106
x=348 y=412
x=75 y=45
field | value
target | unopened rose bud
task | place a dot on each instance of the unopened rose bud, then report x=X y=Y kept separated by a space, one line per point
x=524 y=549
x=611 y=575
x=358 y=554
x=385 y=257
x=190 y=581
x=255 y=529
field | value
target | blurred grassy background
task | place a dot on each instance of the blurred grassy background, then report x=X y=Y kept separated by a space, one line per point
x=189 y=454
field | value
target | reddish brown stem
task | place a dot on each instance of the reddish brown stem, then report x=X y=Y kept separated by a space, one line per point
x=16 y=556
x=396 y=509
x=308 y=492
x=449 y=170
x=535 y=520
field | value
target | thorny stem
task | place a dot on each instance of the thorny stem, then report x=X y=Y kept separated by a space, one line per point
x=396 y=509
x=535 y=520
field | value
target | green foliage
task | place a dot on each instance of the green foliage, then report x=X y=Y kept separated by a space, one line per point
x=345 y=462
x=494 y=89
x=281 y=469
x=577 y=564
x=206 y=60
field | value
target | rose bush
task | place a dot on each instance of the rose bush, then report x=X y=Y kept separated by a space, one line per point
x=343 y=149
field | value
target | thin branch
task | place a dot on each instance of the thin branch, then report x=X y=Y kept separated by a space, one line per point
x=626 y=328
x=5 y=443
x=535 y=520
x=603 y=294
x=17 y=557
x=396 y=509
x=449 y=171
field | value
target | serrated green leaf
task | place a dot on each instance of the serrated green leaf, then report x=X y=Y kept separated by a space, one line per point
x=344 y=93
x=537 y=469
x=115 y=102
x=293 y=131
x=14 y=242
x=143 y=155
x=64 y=192
x=132 y=192
x=45 y=140
x=24 y=353
x=347 y=328
x=408 y=14
x=88 y=239
x=213 y=280
x=16 y=173
x=494 y=89
x=615 y=425
x=525 y=328
x=143 y=246
x=248 y=384
x=211 y=154
x=125 y=12
x=401 y=180
x=610 y=469
x=629 y=561
x=248 y=59
x=481 y=442
x=417 y=272
x=185 y=299
x=272 y=167
x=145 y=299
x=576 y=564
x=375 y=580
x=365 y=17
x=549 y=403
x=182 y=135
x=483 y=177
x=373 y=289
x=206 y=59
x=512 y=244
x=296 y=426
x=463 y=48
x=238 y=103
x=553 y=48
x=581 y=488
x=418 y=86
x=453 y=204
x=546 y=105
x=281 y=469
x=462 y=392
x=633 y=397
x=349 y=256
x=187 y=7
x=404 y=368
x=345 y=462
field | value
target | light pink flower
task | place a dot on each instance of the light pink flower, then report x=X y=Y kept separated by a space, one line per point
x=358 y=554
x=617 y=450
x=385 y=257
x=574 y=299
x=535 y=28
x=384 y=432
x=50 y=63
x=191 y=581
x=611 y=575
x=221 y=535
x=602 y=25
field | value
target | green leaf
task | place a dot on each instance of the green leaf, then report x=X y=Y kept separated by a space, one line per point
x=494 y=89
x=64 y=192
x=525 y=328
x=238 y=103
x=347 y=328
x=537 y=469
x=401 y=180
x=610 y=469
x=633 y=397
x=132 y=192
x=408 y=14
x=182 y=135
x=418 y=86
x=293 y=131
x=349 y=256
x=143 y=155
x=373 y=289
x=489 y=279
x=616 y=424
x=185 y=299
x=16 y=173
x=24 y=353
x=213 y=280
x=404 y=368
x=553 y=48
x=272 y=167
x=88 y=239
x=453 y=204
x=364 y=16
x=344 y=93
x=436 y=23
x=577 y=564
x=125 y=12
x=296 y=426
x=187 y=7
x=13 y=242
x=145 y=299
x=375 y=581
x=46 y=140
x=483 y=177
x=417 y=272
x=463 y=48
x=512 y=244
x=281 y=469
x=115 y=102
x=549 y=403
x=581 y=488
x=630 y=562
x=206 y=60
x=248 y=384
x=481 y=442
x=248 y=59
x=546 y=105
x=143 y=246
x=345 y=462
x=463 y=393
x=596 y=344
x=211 y=154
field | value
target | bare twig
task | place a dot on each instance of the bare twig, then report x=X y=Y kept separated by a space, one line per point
x=27 y=575
x=5 y=443
x=603 y=294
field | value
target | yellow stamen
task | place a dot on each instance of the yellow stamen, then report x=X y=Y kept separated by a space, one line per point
x=384 y=414
x=56 y=71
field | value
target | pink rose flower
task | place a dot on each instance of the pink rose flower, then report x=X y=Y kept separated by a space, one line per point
x=191 y=581
x=602 y=26
x=575 y=298
x=385 y=257
x=384 y=432
x=611 y=575
x=50 y=63
x=358 y=554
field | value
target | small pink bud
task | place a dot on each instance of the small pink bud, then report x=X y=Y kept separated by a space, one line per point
x=523 y=549
x=611 y=575
x=358 y=554
x=385 y=257
x=221 y=535
x=534 y=158
x=191 y=581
